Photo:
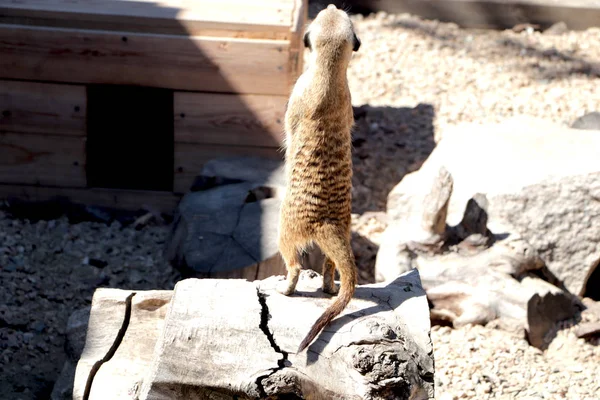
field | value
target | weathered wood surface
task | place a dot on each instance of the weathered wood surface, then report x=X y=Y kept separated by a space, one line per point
x=227 y=119
x=199 y=17
x=106 y=325
x=474 y=277
x=31 y=107
x=173 y=62
x=42 y=160
x=120 y=199
x=190 y=158
x=233 y=339
x=577 y=14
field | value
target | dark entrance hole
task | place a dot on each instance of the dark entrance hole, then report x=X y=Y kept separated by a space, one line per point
x=130 y=138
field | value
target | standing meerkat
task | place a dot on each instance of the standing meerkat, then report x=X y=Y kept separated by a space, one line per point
x=317 y=203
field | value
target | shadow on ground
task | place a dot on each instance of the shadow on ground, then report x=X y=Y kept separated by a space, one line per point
x=544 y=63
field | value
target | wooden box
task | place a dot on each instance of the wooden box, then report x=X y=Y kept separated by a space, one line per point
x=121 y=102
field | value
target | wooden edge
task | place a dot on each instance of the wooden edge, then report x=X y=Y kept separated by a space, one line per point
x=296 y=61
x=196 y=63
x=109 y=316
x=148 y=17
x=113 y=198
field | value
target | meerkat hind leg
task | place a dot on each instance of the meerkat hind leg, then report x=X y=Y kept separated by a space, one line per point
x=329 y=285
x=290 y=256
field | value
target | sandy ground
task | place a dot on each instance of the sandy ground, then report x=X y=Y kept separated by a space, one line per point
x=411 y=79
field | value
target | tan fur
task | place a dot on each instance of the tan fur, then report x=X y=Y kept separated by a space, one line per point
x=317 y=203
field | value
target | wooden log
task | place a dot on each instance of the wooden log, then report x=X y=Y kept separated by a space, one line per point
x=173 y=62
x=119 y=199
x=31 y=107
x=42 y=160
x=228 y=339
x=234 y=339
x=190 y=158
x=226 y=119
x=200 y=17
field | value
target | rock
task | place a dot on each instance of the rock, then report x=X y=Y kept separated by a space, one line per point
x=63 y=387
x=473 y=277
x=542 y=182
x=247 y=169
x=589 y=121
x=543 y=312
x=76 y=333
x=588 y=330
x=557 y=28
x=231 y=230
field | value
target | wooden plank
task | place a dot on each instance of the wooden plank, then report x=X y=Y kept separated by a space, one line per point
x=190 y=158
x=150 y=16
x=42 y=108
x=501 y=14
x=174 y=62
x=119 y=199
x=242 y=120
x=42 y=160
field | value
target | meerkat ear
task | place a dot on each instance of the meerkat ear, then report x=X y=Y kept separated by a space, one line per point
x=307 y=40
x=356 y=43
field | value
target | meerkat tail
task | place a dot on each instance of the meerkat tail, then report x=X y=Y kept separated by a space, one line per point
x=347 y=288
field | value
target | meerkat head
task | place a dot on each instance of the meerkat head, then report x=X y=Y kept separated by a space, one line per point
x=332 y=34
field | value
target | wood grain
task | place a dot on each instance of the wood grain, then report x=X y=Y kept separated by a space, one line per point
x=148 y=16
x=190 y=158
x=120 y=199
x=244 y=120
x=42 y=160
x=107 y=315
x=174 y=62
x=123 y=373
x=33 y=107
x=231 y=339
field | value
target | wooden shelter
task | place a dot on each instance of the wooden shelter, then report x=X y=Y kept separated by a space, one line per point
x=120 y=102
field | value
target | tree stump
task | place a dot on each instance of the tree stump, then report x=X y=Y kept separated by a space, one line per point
x=234 y=339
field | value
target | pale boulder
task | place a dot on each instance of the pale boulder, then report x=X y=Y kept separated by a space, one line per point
x=542 y=181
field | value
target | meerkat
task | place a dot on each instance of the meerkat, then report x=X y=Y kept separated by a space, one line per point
x=316 y=205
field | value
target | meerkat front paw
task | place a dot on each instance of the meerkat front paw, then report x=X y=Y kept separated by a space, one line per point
x=285 y=288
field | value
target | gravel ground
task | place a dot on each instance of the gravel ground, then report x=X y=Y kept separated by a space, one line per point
x=410 y=79
x=48 y=269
